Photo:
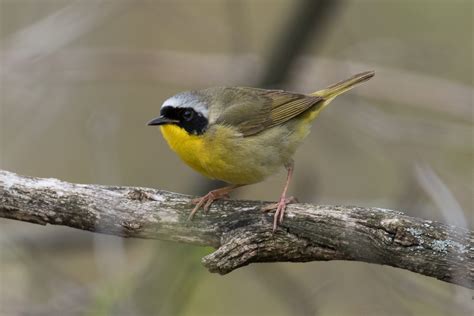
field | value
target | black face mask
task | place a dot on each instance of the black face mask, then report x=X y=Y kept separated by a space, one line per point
x=193 y=122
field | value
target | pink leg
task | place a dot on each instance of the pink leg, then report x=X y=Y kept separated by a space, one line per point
x=284 y=201
x=206 y=201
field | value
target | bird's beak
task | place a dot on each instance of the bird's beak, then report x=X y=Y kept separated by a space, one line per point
x=161 y=120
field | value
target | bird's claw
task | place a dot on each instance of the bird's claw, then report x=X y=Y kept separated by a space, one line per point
x=280 y=209
x=206 y=201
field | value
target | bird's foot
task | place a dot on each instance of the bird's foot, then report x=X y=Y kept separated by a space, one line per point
x=206 y=200
x=280 y=208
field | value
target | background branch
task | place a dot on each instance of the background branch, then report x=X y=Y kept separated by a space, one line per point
x=241 y=232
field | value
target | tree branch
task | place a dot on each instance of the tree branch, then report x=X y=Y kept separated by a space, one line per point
x=243 y=234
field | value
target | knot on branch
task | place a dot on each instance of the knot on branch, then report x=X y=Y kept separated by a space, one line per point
x=250 y=244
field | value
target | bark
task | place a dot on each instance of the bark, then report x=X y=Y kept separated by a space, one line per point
x=241 y=233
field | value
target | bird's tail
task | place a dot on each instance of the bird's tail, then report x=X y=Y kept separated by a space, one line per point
x=336 y=89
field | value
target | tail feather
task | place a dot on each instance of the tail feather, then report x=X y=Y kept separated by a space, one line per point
x=336 y=89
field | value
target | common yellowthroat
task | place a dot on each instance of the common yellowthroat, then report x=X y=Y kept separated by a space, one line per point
x=242 y=135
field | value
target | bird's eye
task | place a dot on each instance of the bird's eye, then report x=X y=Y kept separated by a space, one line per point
x=188 y=115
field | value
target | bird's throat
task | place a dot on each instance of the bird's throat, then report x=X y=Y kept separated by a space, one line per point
x=190 y=148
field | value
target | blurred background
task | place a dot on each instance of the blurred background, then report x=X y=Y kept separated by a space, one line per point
x=80 y=79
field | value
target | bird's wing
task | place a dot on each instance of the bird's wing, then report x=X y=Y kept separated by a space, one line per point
x=260 y=109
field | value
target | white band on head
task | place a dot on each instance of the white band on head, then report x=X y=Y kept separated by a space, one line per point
x=187 y=101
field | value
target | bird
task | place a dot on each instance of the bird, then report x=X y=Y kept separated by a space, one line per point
x=242 y=135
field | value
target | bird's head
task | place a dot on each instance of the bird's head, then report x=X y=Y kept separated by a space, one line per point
x=187 y=110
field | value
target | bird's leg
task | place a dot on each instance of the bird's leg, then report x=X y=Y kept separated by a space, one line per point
x=206 y=201
x=284 y=201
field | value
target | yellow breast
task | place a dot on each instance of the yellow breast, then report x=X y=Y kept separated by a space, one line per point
x=190 y=148
x=217 y=154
